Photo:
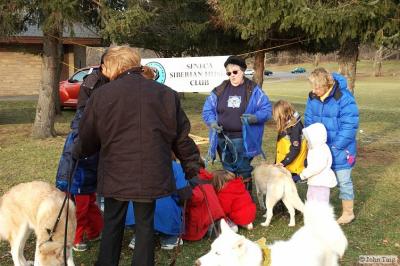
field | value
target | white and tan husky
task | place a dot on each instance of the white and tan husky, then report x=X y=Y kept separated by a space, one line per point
x=34 y=206
x=277 y=184
x=320 y=242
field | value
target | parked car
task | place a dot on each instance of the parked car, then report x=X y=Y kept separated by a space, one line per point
x=268 y=72
x=249 y=72
x=298 y=70
x=69 y=89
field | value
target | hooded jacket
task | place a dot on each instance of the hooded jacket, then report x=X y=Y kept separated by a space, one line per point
x=319 y=158
x=204 y=202
x=339 y=114
x=237 y=203
x=258 y=104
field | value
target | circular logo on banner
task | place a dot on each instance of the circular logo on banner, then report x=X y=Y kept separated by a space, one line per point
x=160 y=71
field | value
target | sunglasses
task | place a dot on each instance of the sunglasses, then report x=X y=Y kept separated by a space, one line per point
x=234 y=72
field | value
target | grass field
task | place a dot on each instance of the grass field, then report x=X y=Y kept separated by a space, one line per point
x=376 y=230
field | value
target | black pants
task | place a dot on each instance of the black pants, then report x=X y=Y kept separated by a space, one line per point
x=113 y=233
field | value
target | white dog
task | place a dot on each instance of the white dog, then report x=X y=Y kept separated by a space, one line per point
x=35 y=206
x=320 y=242
x=277 y=184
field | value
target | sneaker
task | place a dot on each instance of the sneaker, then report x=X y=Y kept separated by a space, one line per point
x=80 y=247
x=170 y=242
x=94 y=239
x=132 y=243
x=249 y=226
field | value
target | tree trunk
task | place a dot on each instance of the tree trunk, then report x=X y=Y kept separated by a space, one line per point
x=348 y=56
x=378 y=62
x=342 y=67
x=317 y=58
x=43 y=126
x=258 y=76
x=57 y=91
x=352 y=67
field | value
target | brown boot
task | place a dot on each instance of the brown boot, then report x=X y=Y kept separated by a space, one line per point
x=347 y=214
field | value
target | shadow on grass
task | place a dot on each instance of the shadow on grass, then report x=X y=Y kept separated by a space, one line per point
x=23 y=112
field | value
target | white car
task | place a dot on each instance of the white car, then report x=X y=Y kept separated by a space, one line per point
x=249 y=72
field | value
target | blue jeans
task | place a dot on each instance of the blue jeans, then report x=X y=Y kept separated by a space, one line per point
x=345 y=184
x=238 y=164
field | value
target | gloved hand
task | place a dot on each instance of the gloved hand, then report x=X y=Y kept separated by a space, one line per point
x=195 y=181
x=185 y=193
x=296 y=178
x=250 y=118
x=216 y=127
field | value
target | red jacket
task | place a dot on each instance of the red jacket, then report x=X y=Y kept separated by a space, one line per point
x=197 y=218
x=237 y=203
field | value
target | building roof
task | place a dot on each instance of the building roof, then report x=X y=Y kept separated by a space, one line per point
x=79 y=34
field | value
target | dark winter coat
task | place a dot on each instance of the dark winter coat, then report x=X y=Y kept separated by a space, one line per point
x=135 y=123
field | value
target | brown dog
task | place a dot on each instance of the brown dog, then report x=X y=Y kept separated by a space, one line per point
x=34 y=206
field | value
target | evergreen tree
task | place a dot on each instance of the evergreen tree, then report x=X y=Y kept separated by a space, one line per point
x=53 y=17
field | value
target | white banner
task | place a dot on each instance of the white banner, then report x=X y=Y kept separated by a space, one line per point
x=189 y=74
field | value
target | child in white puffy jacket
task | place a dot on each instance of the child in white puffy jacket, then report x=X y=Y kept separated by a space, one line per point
x=319 y=175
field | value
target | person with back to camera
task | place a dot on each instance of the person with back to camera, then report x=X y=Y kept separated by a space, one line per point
x=134 y=123
x=84 y=182
x=168 y=213
x=332 y=104
x=236 y=112
x=291 y=148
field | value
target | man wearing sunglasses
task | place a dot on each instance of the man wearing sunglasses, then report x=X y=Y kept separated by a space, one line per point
x=236 y=112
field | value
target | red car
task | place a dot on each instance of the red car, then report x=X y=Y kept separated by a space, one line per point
x=69 y=89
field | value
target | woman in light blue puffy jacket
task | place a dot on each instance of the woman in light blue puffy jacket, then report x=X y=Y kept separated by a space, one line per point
x=332 y=104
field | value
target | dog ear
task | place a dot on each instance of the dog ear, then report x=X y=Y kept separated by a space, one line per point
x=224 y=226
x=240 y=245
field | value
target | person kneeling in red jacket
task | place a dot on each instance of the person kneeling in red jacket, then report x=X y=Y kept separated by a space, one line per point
x=234 y=198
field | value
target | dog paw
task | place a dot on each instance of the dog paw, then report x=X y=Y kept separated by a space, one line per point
x=292 y=224
x=264 y=224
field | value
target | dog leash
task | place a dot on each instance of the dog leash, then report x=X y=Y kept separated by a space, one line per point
x=65 y=202
x=177 y=250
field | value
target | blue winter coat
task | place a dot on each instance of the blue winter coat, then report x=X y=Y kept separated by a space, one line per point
x=84 y=180
x=168 y=213
x=258 y=105
x=339 y=114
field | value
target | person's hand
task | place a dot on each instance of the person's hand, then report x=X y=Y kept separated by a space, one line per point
x=216 y=127
x=296 y=178
x=249 y=118
x=279 y=164
x=195 y=181
x=185 y=193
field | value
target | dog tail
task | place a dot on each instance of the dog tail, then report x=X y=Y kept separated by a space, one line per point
x=320 y=220
x=294 y=198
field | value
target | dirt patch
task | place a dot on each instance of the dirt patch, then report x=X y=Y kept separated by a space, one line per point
x=367 y=155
